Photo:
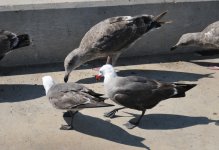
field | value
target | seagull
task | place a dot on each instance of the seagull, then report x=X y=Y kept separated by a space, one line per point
x=110 y=38
x=71 y=97
x=137 y=92
x=10 y=41
x=208 y=39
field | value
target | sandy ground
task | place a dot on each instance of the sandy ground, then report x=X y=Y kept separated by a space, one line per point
x=28 y=121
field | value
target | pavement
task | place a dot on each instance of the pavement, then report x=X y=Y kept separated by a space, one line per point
x=28 y=121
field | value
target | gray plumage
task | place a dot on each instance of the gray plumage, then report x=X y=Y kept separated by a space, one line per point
x=208 y=38
x=109 y=38
x=10 y=41
x=138 y=93
x=72 y=97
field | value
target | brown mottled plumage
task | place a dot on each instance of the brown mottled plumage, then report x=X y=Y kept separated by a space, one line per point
x=110 y=37
x=10 y=41
x=207 y=39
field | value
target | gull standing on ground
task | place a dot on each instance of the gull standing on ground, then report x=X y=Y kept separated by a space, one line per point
x=208 y=39
x=71 y=97
x=137 y=92
x=110 y=38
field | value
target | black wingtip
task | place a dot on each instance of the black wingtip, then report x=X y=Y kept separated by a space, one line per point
x=173 y=48
x=95 y=105
x=182 y=88
x=186 y=87
x=23 y=41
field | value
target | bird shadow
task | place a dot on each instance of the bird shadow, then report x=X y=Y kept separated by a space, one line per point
x=30 y=69
x=168 y=76
x=20 y=92
x=136 y=60
x=103 y=129
x=171 y=121
x=206 y=64
x=209 y=52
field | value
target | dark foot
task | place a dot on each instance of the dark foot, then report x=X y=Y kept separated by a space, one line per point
x=110 y=114
x=130 y=125
x=214 y=68
x=66 y=127
x=66 y=114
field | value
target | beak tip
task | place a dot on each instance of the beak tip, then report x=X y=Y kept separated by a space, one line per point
x=173 y=48
x=65 y=79
x=98 y=77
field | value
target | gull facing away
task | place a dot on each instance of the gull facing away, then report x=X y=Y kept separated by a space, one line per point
x=110 y=38
x=208 y=39
x=137 y=92
x=10 y=41
x=71 y=97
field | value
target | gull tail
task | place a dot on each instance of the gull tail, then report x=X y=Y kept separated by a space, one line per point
x=160 y=16
x=182 y=88
x=94 y=104
x=23 y=41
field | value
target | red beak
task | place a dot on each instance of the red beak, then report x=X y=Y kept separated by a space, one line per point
x=98 y=77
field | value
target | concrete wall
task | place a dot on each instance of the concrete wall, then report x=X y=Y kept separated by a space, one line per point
x=57 y=28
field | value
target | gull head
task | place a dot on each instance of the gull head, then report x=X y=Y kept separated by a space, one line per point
x=72 y=61
x=187 y=39
x=105 y=70
x=48 y=82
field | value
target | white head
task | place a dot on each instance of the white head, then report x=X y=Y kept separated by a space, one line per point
x=47 y=83
x=106 y=70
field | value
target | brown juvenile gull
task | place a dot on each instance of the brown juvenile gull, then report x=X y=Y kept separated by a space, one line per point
x=208 y=39
x=10 y=41
x=138 y=93
x=109 y=38
x=71 y=97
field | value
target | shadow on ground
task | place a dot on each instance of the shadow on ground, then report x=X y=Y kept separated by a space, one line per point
x=168 y=76
x=20 y=92
x=206 y=64
x=190 y=57
x=103 y=129
x=171 y=121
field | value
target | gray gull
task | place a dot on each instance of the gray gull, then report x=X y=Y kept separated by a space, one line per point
x=71 y=97
x=137 y=92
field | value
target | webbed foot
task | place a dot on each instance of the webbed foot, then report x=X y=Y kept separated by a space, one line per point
x=131 y=125
x=66 y=127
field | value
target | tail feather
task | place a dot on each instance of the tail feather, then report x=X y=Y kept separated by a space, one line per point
x=94 y=105
x=182 y=88
x=23 y=41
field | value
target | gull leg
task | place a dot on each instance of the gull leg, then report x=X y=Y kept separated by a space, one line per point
x=132 y=124
x=69 y=127
x=112 y=59
x=112 y=113
x=115 y=58
x=109 y=60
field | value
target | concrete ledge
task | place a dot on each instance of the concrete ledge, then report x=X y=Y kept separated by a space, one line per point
x=57 y=26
